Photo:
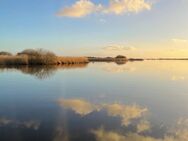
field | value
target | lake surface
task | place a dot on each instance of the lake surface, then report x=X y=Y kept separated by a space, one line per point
x=136 y=101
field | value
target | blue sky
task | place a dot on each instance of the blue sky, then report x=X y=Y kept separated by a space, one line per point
x=152 y=26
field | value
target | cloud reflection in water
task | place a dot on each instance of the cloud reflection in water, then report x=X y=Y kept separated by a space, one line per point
x=125 y=112
x=131 y=115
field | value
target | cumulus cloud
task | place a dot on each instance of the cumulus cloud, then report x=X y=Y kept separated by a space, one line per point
x=103 y=135
x=177 y=132
x=79 y=9
x=127 y=113
x=127 y=6
x=83 y=8
x=143 y=126
x=79 y=106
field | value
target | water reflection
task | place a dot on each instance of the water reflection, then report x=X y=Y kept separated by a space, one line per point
x=81 y=107
x=173 y=70
x=143 y=126
x=121 y=62
x=127 y=113
x=179 y=134
x=41 y=72
x=81 y=120
x=32 y=124
x=101 y=103
x=134 y=124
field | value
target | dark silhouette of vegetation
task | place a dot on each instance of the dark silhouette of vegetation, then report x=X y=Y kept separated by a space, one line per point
x=13 y=60
x=39 y=57
x=101 y=59
x=135 y=59
x=45 y=57
x=120 y=59
x=4 y=53
x=41 y=71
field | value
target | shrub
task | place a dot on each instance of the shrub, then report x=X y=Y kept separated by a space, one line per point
x=39 y=57
x=120 y=57
x=5 y=53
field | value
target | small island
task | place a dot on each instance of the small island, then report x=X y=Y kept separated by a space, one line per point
x=118 y=59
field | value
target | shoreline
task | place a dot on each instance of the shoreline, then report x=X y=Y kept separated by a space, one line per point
x=58 y=61
x=170 y=59
x=41 y=57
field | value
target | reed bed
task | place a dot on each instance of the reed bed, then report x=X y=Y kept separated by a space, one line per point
x=13 y=60
x=38 y=57
x=72 y=60
x=41 y=60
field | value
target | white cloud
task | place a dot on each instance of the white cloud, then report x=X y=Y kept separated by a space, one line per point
x=119 y=48
x=178 y=40
x=127 y=6
x=83 y=8
x=79 y=106
x=179 y=134
x=79 y=9
x=143 y=126
x=127 y=113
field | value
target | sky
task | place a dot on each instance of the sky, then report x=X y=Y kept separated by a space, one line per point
x=134 y=28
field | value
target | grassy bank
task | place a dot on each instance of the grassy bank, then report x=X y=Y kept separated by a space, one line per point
x=13 y=60
x=39 y=57
x=72 y=60
x=44 y=57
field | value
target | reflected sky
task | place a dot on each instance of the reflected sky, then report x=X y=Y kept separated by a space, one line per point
x=136 y=101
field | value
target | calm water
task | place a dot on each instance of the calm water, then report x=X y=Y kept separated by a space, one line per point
x=138 y=101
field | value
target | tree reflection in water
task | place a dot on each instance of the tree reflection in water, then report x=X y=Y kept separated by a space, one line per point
x=41 y=72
